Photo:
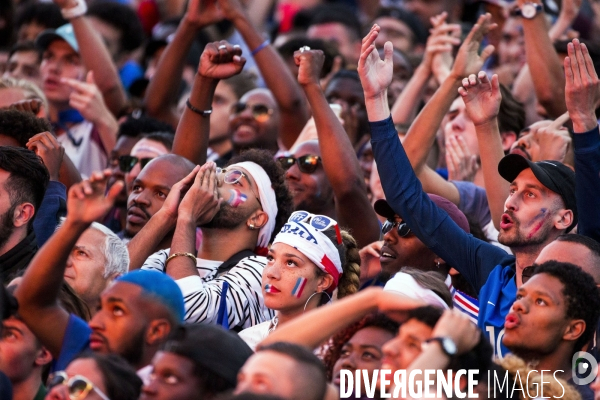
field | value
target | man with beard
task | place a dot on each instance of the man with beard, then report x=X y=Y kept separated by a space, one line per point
x=554 y=316
x=23 y=182
x=136 y=313
x=540 y=207
x=238 y=209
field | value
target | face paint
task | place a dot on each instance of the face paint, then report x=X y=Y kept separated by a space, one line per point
x=299 y=287
x=542 y=216
x=236 y=198
x=271 y=289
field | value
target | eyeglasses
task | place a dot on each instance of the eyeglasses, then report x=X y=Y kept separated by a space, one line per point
x=260 y=112
x=126 y=163
x=306 y=164
x=319 y=222
x=79 y=386
x=403 y=229
x=527 y=273
x=233 y=176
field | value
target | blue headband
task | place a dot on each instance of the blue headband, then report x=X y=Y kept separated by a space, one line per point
x=159 y=285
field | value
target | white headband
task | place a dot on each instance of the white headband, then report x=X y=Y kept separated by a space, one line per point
x=267 y=199
x=315 y=245
x=407 y=285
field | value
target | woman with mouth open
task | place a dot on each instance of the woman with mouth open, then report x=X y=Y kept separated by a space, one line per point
x=310 y=258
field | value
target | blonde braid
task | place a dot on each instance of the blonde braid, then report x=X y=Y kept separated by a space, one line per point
x=350 y=280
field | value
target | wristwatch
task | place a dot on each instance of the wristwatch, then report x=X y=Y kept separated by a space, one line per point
x=448 y=346
x=529 y=10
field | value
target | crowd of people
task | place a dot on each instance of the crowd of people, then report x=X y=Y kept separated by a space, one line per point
x=227 y=199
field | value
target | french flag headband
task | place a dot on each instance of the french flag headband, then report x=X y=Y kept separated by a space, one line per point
x=315 y=245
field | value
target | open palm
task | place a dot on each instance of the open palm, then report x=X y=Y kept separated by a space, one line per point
x=482 y=97
x=87 y=201
x=375 y=73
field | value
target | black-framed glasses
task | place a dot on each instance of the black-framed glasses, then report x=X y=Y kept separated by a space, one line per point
x=527 y=273
x=126 y=163
x=403 y=229
x=79 y=386
x=306 y=164
x=260 y=112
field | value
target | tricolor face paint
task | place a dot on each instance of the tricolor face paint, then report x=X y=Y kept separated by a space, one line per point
x=271 y=289
x=299 y=287
x=236 y=198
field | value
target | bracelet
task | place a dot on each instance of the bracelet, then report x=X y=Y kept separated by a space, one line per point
x=74 y=12
x=189 y=255
x=203 y=113
x=259 y=48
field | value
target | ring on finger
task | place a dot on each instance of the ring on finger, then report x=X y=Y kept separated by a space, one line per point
x=304 y=48
x=222 y=47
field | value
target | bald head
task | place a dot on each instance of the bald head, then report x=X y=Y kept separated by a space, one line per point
x=575 y=249
x=183 y=164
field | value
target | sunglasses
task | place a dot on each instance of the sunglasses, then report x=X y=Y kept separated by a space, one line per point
x=260 y=112
x=403 y=229
x=79 y=386
x=233 y=176
x=527 y=273
x=306 y=164
x=319 y=222
x=126 y=163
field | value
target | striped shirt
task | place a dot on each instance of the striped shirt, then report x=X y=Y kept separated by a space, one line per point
x=202 y=293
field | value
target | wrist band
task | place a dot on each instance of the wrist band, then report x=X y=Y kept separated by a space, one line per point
x=74 y=12
x=203 y=113
x=259 y=48
x=189 y=255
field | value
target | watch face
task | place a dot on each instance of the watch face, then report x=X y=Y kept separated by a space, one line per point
x=449 y=346
x=528 y=11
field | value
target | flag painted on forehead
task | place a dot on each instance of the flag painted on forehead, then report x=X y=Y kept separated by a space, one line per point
x=299 y=287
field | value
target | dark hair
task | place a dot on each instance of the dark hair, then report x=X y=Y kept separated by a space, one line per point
x=248 y=396
x=429 y=315
x=511 y=117
x=133 y=127
x=336 y=343
x=120 y=379
x=277 y=176
x=410 y=19
x=582 y=296
x=310 y=374
x=45 y=14
x=241 y=83
x=166 y=138
x=122 y=18
x=25 y=46
x=21 y=125
x=287 y=49
x=345 y=73
x=28 y=176
x=337 y=13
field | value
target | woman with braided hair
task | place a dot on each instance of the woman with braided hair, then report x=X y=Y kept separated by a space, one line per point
x=310 y=258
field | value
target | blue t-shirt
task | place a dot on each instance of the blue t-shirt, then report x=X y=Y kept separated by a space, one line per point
x=76 y=340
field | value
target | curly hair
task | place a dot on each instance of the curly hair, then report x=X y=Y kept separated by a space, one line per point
x=123 y=19
x=334 y=349
x=277 y=176
x=22 y=126
x=582 y=296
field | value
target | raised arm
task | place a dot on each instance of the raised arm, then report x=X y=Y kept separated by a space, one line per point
x=38 y=292
x=353 y=208
x=482 y=102
x=288 y=95
x=96 y=58
x=313 y=328
x=219 y=60
x=164 y=85
x=582 y=94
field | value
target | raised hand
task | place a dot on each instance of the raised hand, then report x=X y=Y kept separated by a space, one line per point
x=468 y=60
x=375 y=73
x=582 y=87
x=32 y=106
x=49 y=150
x=88 y=200
x=201 y=202
x=201 y=13
x=554 y=141
x=438 y=50
x=232 y=9
x=221 y=60
x=370 y=266
x=462 y=165
x=458 y=327
x=87 y=98
x=171 y=205
x=482 y=97
x=310 y=63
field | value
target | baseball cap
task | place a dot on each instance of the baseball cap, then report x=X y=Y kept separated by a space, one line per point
x=64 y=32
x=554 y=175
x=211 y=347
x=383 y=208
x=160 y=286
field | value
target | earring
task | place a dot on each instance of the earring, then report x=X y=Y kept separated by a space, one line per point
x=251 y=226
x=313 y=295
x=437 y=264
